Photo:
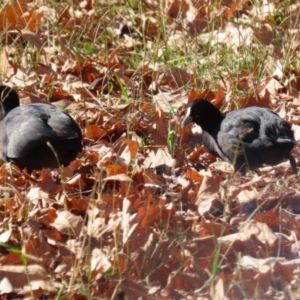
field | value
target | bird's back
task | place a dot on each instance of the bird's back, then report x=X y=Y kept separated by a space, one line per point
x=251 y=137
x=28 y=128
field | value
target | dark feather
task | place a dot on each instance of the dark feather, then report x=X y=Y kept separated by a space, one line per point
x=248 y=137
x=25 y=131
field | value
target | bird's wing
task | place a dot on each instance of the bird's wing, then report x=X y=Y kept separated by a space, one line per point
x=62 y=124
x=243 y=125
x=276 y=129
x=32 y=125
x=237 y=130
x=257 y=123
x=254 y=133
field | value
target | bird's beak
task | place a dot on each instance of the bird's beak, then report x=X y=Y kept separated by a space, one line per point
x=187 y=119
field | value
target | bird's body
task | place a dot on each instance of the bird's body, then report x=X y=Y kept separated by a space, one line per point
x=36 y=136
x=247 y=138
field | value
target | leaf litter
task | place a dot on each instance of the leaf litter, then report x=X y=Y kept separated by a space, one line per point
x=145 y=212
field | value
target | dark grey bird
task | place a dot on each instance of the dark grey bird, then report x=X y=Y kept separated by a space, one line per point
x=247 y=138
x=36 y=136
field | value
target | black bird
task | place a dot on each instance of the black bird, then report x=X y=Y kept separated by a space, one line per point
x=247 y=138
x=36 y=136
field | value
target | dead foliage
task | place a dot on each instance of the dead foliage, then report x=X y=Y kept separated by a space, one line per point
x=145 y=212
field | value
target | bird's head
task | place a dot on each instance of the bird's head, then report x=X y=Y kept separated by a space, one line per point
x=204 y=114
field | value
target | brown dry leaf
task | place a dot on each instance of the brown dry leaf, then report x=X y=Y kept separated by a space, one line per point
x=241 y=283
x=100 y=263
x=76 y=181
x=193 y=175
x=285 y=269
x=220 y=96
x=232 y=36
x=270 y=218
x=16 y=16
x=38 y=287
x=270 y=86
x=173 y=8
x=261 y=12
x=17 y=277
x=275 y=263
x=78 y=204
x=126 y=150
x=155 y=221
x=37 y=247
x=233 y=7
x=208 y=198
x=5 y=286
x=68 y=223
x=170 y=100
x=247 y=195
x=149 y=177
x=264 y=34
x=161 y=123
x=212 y=229
x=114 y=61
x=174 y=78
x=180 y=281
x=203 y=250
x=263 y=101
x=10 y=15
x=35 y=194
x=94 y=132
x=147 y=214
x=77 y=297
x=206 y=94
x=15 y=259
x=126 y=209
x=33 y=37
x=114 y=170
x=198 y=25
x=7 y=69
x=191 y=137
x=222 y=166
x=290 y=221
x=45 y=215
x=261 y=231
x=133 y=288
x=98 y=228
x=33 y=19
x=158 y=157
x=253 y=236
x=248 y=262
x=5 y=236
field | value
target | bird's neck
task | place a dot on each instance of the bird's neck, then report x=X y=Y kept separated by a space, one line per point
x=211 y=121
